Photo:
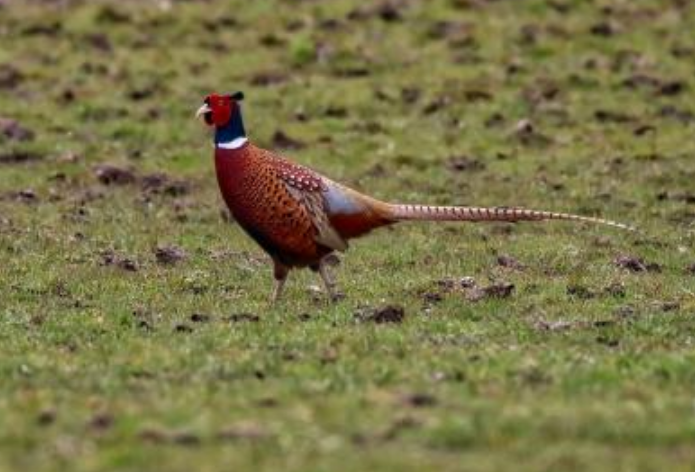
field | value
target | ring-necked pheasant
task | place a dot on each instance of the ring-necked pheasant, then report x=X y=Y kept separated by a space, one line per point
x=299 y=217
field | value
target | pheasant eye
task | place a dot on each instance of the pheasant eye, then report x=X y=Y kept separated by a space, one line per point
x=208 y=115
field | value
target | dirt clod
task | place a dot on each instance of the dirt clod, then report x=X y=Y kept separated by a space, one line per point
x=608 y=341
x=200 y=318
x=496 y=290
x=243 y=318
x=46 y=417
x=99 y=41
x=169 y=255
x=182 y=328
x=111 y=258
x=101 y=422
x=527 y=134
x=185 y=438
x=581 y=292
x=436 y=105
x=26 y=195
x=145 y=325
x=268 y=402
x=644 y=129
x=46 y=28
x=615 y=289
x=604 y=29
x=671 y=88
x=625 y=312
x=452 y=285
x=670 y=306
x=389 y=12
x=19 y=157
x=420 y=400
x=10 y=76
x=154 y=435
x=335 y=112
x=509 y=262
x=381 y=315
x=110 y=174
x=474 y=95
x=410 y=95
x=13 y=131
x=162 y=184
x=679 y=114
x=465 y=164
x=430 y=298
x=610 y=116
x=636 y=264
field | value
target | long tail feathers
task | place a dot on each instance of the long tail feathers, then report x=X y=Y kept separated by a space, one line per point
x=455 y=213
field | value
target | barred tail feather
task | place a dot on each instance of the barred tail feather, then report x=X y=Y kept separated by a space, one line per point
x=456 y=213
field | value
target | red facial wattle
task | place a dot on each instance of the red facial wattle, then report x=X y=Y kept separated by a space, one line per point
x=220 y=110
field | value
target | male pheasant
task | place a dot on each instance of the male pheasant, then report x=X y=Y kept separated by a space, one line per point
x=299 y=217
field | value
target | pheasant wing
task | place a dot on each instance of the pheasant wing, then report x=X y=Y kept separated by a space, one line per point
x=308 y=189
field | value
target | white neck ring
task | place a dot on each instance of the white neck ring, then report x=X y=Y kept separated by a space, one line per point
x=234 y=144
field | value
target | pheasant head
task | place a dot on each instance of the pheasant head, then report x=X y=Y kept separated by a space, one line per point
x=224 y=113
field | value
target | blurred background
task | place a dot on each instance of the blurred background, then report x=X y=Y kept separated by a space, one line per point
x=134 y=328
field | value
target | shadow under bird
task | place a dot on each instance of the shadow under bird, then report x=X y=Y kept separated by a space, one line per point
x=299 y=217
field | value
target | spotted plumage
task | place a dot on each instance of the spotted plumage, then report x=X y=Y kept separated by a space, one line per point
x=300 y=217
x=296 y=176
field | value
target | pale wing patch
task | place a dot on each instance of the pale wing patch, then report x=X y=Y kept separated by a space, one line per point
x=314 y=204
x=339 y=201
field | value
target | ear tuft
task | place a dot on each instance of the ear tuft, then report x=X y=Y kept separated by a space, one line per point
x=238 y=96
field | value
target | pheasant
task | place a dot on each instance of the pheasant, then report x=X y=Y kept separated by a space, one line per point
x=300 y=217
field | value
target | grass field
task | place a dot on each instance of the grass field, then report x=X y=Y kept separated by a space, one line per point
x=135 y=332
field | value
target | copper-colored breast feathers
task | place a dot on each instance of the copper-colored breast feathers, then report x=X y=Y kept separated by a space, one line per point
x=263 y=204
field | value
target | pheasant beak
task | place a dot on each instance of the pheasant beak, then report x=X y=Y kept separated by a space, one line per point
x=203 y=110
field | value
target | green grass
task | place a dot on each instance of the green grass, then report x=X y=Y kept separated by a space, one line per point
x=586 y=366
